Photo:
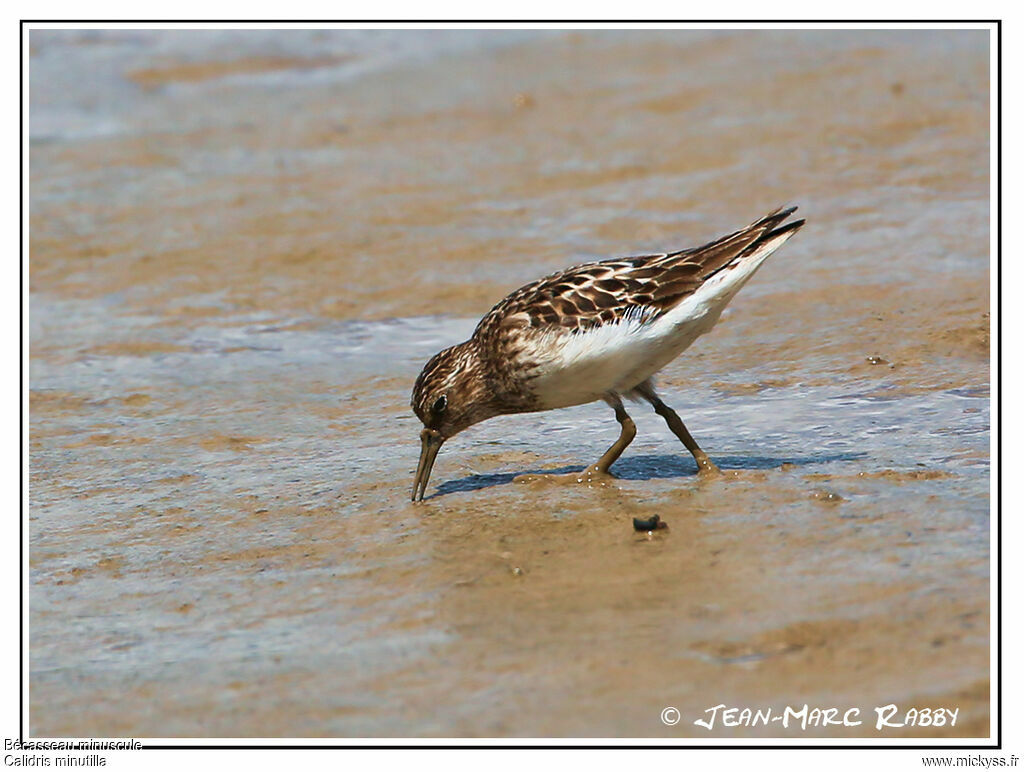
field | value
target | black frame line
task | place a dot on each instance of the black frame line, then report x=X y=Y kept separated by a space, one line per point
x=456 y=746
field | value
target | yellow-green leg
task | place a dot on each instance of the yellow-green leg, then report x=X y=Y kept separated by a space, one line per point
x=626 y=435
x=705 y=466
x=598 y=472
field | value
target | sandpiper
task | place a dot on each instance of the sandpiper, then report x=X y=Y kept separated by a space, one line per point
x=597 y=331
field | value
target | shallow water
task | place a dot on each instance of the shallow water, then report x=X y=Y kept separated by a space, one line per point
x=244 y=247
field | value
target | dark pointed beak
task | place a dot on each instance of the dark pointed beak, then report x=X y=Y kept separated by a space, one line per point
x=431 y=440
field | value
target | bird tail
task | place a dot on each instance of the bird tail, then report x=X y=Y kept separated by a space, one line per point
x=732 y=261
x=761 y=237
x=774 y=233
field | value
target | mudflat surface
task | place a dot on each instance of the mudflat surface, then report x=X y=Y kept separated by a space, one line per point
x=245 y=245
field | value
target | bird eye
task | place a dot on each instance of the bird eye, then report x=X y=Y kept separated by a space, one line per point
x=439 y=404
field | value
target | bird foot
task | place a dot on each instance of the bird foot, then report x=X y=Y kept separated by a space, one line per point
x=707 y=470
x=591 y=477
x=710 y=472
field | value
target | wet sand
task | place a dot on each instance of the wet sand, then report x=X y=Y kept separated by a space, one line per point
x=243 y=250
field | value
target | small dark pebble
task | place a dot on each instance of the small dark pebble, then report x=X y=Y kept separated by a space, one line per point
x=652 y=524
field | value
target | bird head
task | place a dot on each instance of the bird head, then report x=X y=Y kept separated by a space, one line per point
x=451 y=394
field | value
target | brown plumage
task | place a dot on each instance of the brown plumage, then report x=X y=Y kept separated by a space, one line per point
x=573 y=298
x=545 y=346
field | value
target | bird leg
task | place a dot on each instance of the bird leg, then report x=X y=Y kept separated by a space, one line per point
x=625 y=437
x=595 y=472
x=705 y=466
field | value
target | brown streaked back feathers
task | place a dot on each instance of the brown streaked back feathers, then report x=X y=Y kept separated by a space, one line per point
x=593 y=294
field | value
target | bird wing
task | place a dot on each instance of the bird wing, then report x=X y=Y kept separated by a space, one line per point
x=594 y=294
